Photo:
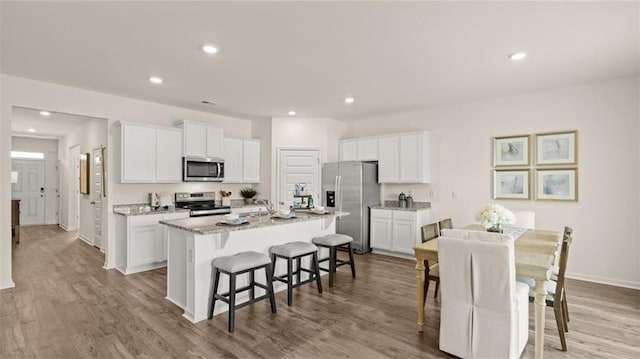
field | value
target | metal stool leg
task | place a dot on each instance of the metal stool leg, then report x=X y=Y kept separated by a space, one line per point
x=232 y=301
x=215 y=278
x=272 y=296
x=289 y=281
x=332 y=265
x=353 y=265
x=316 y=268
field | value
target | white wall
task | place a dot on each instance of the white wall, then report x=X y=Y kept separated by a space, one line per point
x=318 y=132
x=605 y=220
x=50 y=149
x=28 y=93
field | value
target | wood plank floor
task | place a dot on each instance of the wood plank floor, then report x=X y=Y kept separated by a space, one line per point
x=66 y=306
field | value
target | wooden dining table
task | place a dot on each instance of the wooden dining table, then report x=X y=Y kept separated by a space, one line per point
x=535 y=251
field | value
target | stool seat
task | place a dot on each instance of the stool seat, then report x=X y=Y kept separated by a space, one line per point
x=293 y=249
x=331 y=240
x=241 y=262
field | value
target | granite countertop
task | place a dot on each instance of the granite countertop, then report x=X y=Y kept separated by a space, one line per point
x=208 y=224
x=395 y=206
x=239 y=203
x=142 y=209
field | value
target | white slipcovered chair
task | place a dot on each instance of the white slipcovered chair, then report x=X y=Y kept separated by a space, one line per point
x=484 y=311
x=524 y=219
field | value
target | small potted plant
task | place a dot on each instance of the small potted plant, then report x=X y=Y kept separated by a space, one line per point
x=248 y=193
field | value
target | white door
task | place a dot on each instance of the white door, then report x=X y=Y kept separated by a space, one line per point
x=73 y=188
x=297 y=166
x=97 y=197
x=30 y=190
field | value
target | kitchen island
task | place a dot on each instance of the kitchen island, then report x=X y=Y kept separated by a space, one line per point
x=194 y=242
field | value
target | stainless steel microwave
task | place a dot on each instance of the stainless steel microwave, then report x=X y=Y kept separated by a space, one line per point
x=197 y=169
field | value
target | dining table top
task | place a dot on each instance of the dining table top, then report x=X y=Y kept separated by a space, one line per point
x=536 y=251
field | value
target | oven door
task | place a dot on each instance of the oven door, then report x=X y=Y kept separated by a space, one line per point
x=202 y=169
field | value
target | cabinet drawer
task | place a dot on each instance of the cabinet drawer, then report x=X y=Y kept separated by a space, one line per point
x=145 y=220
x=404 y=215
x=381 y=213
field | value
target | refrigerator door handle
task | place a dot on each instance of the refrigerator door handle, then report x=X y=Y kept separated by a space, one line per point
x=339 y=192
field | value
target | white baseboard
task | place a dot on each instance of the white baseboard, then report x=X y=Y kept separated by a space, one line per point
x=68 y=229
x=605 y=280
x=8 y=284
x=85 y=239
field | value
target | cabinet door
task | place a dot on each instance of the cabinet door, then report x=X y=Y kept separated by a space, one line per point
x=388 y=159
x=411 y=158
x=145 y=244
x=138 y=154
x=368 y=150
x=404 y=236
x=232 y=160
x=251 y=161
x=169 y=156
x=348 y=150
x=215 y=141
x=195 y=140
x=380 y=230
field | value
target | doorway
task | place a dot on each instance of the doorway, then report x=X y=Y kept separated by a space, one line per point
x=30 y=190
x=295 y=166
x=73 y=188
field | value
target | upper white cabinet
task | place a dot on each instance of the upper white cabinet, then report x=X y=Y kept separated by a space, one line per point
x=402 y=158
x=359 y=149
x=201 y=140
x=149 y=154
x=241 y=160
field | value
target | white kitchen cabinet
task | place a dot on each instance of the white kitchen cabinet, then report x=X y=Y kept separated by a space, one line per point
x=388 y=161
x=396 y=232
x=148 y=154
x=169 y=155
x=251 y=161
x=381 y=229
x=241 y=160
x=201 y=140
x=141 y=242
x=361 y=149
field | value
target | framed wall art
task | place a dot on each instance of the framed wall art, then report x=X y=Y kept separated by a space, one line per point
x=559 y=148
x=557 y=184
x=511 y=151
x=511 y=184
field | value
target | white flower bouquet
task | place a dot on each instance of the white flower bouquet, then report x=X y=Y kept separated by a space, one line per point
x=494 y=216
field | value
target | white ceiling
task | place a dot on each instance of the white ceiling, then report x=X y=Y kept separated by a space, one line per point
x=308 y=56
x=56 y=125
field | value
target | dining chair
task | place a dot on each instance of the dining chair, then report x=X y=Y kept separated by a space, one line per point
x=429 y=232
x=484 y=311
x=445 y=224
x=524 y=219
x=556 y=298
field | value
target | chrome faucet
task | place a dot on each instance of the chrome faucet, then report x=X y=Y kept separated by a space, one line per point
x=268 y=205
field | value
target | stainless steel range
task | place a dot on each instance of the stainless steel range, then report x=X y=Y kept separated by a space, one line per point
x=200 y=204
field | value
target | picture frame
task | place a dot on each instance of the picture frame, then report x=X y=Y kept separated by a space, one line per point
x=84 y=173
x=511 y=151
x=557 y=148
x=511 y=184
x=559 y=184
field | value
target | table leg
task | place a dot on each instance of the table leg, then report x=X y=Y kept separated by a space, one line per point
x=420 y=291
x=540 y=307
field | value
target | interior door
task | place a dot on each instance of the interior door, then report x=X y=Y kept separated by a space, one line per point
x=97 y=197
x=297 y=166
x=30 y=190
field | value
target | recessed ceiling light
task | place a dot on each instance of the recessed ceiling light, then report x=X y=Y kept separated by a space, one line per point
x=155 y=80
x=291 y=113
x=210 y=49
x=31 y=129
x=45 y=113
x=517 y=56
x=349 y=100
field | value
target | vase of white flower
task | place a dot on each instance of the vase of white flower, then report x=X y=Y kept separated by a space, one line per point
x=493 y=216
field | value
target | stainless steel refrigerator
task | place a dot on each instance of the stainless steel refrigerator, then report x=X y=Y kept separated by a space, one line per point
x=352 y=186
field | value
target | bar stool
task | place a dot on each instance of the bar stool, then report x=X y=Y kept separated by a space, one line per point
x=334 y=242
x=295 y=251
x=238 y=264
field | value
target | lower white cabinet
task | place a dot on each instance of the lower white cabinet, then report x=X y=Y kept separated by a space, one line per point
x=141 y=242
x=396 y=232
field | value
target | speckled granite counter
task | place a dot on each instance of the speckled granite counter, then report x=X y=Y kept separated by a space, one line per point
x=143 y=209
x=395 y=206
x=209 y=224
